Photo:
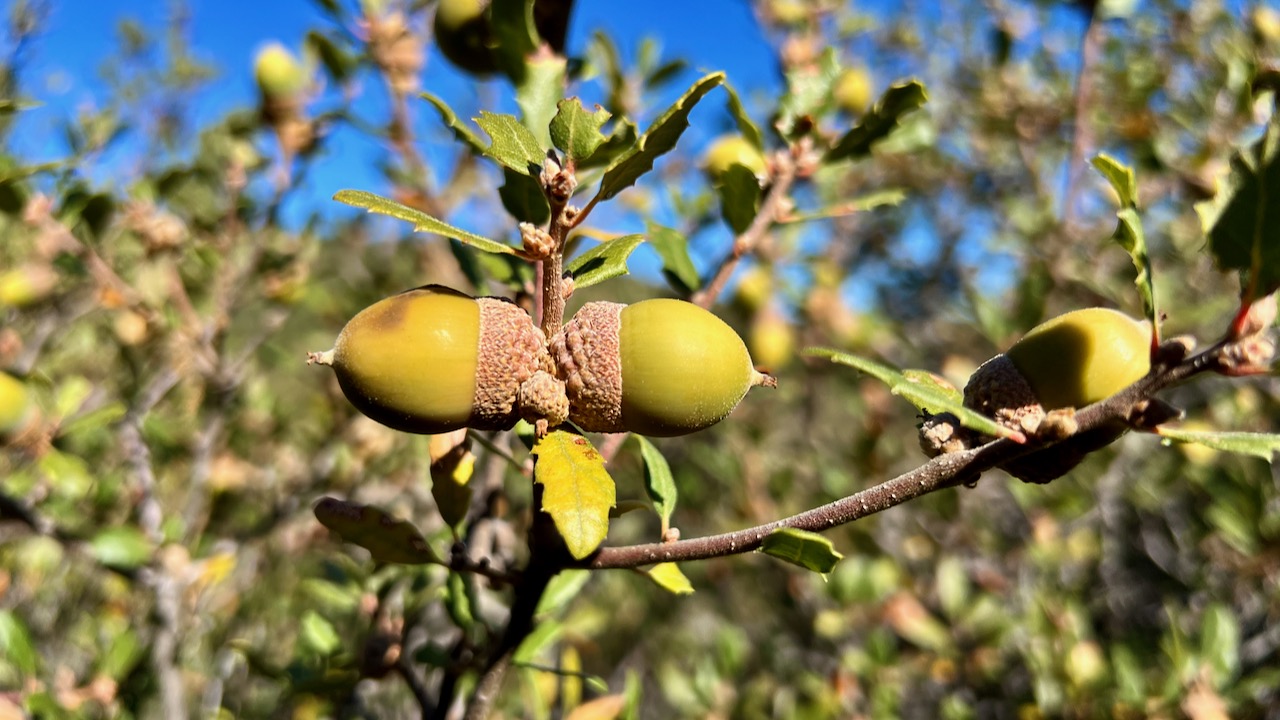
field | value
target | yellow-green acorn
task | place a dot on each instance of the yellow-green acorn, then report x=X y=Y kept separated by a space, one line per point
x=464 y=35
x=852 y=90
x=658 y=367
x=729 y=150
x=432 y=360
x=278 y=72
x=16 y=405
x=1071 y=361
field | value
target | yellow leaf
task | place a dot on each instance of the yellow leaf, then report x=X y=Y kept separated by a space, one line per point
x=602 y=708
x=577 y=491
x=669 y=578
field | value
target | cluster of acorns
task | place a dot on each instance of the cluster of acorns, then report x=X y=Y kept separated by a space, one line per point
x=432 y=360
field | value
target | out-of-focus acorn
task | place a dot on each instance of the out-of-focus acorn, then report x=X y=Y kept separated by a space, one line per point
x=852 y=90
x=432 y=360
x=27 y=285
x=278 y=72
x=771 y=339
x=17 y=407
x=465 y=36
x=729 y=150
x=659 y=367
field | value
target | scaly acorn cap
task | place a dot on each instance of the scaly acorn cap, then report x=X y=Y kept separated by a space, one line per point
x=659 y=367
x=432 y=360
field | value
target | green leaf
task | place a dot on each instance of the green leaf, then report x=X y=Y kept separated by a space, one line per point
x=457 y=601
x=537 y=94
x=1243 y=221
x=746 y=128
x=605 y=261
x=1261 y=445
x=460 y=130
x=16 y=645
x=339 y=64
x=621 y=140
x=577 y=491
x=511 y=143
x=575 y=131
x=669 y=578
x=809 y=550
x=739 y=192
x=677 y=266
x=522 y=196
x=562 y=589
x=1220 y=642
x=1129 y=233
x=925 y=395
x=318 y=634
x=659 y=138
x=387 y=539
x=900 y=99
x=123 y=653
x=121 y=547
x=542 y=637
x=658 y=481
x=422 y=222
x=879 y=198
x=1120 y=176
x=808 y=95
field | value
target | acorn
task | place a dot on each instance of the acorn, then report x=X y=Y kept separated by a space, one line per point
x=432 y=360
x=852 y=90
x=464 y=35
x=278 y=72
x=1068 y=362
x=729 y=150
x=659 y=367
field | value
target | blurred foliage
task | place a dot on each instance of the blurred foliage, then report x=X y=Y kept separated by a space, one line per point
x=159 y=555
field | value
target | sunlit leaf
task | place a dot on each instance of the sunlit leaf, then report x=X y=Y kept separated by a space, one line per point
x=562 y=589
x=121 y=547
x=542 y=637
x=386 y=538
x=808 y=94
x=537 y=94
x=16 y=645
x=1243 y=220
x=511 y=143
x=577 y=491
x=925 y=395
x=1220 y=642
x=422 y=222
x=575 y=131
x=1129 y=233
x=677 y=266
x=880 y=198
x=880 y=120
x=1261 y=445
x=669 y=578
x=605 y=261
x=808 y=550
x=659 y=138
x=318 y=634
x=746 y=127
x=658 y=481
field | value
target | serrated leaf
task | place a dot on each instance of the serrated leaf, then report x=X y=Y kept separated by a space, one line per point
x=511 y=144
x=746 y=127
x=388 y=540
x=808 y=95
x=925 y=396
x=897 y=101
x=577 y=491
x=605 y=261
x=1261 y=445
x=658 y=481
x=16 y=645
x=514 y=35
x=808 y=550
x=522 y=196
x=622 y=139
x=1243 y=220
x=739 y=192
x=669 y=577
x=460 y=130
x=422 y=222
x=1129 y=233
x=121 y=547
x=575 y=131
x=673 y=248
x=659 y=138
x=537 y=94
x=318 y=634
x=880 y=198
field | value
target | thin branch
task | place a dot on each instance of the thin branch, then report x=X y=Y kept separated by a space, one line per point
x=944 y=471
x=770 y=210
